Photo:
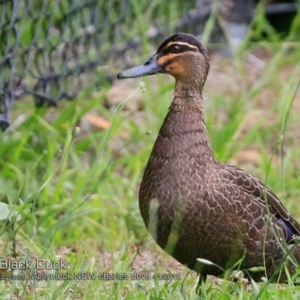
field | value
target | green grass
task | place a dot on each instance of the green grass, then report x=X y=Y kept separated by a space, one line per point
x=72 y=190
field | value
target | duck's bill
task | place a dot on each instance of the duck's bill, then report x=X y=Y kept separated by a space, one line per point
x=150 y=67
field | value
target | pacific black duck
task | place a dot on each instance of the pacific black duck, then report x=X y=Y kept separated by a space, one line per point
x=195 y=206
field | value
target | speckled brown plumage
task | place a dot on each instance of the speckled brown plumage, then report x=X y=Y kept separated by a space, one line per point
x=193 y=205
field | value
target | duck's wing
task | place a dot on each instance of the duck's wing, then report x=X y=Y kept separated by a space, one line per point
x=263 y=194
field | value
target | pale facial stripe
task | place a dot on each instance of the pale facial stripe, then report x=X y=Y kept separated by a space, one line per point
x=181 y=43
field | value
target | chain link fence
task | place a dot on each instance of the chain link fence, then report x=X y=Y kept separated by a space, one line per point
x=53 y=49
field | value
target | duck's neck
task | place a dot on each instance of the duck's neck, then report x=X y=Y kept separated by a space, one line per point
x=184 y=130
x=188 y=96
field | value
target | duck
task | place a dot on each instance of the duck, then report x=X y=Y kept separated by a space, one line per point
x=212 y=217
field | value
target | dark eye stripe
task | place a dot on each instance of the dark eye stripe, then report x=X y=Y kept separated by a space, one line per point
x=183 y=48
x=186 y=41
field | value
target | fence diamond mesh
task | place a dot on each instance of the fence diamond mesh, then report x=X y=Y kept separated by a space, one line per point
x=53 y=49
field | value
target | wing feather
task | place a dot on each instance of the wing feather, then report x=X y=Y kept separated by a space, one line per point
x=255 y=187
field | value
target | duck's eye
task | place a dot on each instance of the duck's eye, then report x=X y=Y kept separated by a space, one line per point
x=176 y=48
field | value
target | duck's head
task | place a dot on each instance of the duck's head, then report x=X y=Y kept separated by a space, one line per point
x=181 y=55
